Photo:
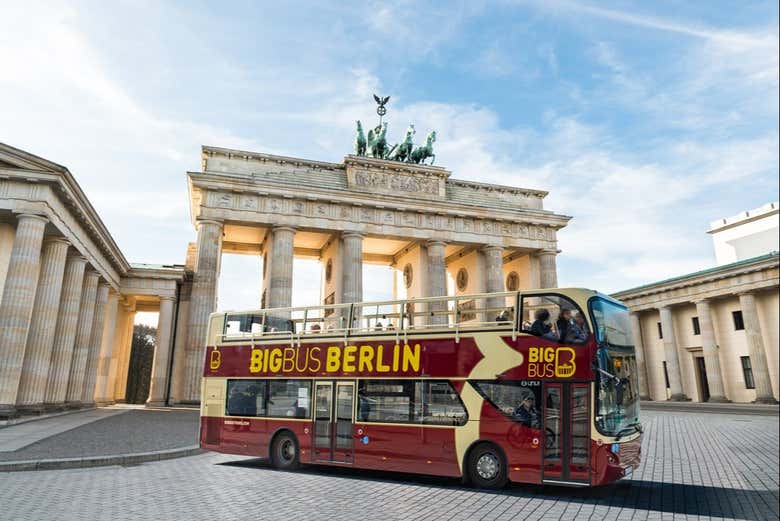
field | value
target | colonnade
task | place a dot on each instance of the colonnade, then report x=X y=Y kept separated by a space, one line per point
x=710 y=351
x=278 y=287
x=64 y=333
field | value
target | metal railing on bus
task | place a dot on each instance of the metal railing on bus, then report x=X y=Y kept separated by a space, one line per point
x=457 y=314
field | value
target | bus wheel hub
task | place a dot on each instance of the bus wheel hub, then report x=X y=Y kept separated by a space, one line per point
x=487 y=466
x=288 y=450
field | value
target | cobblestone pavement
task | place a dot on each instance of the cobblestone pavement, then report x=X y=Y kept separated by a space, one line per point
x=696 y=466
x=132 y=431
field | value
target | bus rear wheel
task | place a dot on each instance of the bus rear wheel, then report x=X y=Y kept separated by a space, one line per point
x=487 y=467
x=284 y=451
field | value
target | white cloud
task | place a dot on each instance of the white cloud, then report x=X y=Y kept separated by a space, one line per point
x=66 y=99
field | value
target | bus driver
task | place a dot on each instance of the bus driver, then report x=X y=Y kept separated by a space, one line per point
x=526 y=413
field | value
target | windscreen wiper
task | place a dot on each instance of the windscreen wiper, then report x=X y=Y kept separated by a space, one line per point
x=634 y=427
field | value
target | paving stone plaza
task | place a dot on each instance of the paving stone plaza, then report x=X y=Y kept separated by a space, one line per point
x=695 y=466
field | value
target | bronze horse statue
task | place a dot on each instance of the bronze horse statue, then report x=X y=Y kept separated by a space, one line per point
x=377 y=142
x=420 y=154
x=402 y=151
x=360 y=140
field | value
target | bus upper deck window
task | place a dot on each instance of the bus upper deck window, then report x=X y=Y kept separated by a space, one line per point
x=554 y=318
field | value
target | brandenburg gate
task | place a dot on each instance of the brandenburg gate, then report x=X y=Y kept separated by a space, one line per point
x=441 y=235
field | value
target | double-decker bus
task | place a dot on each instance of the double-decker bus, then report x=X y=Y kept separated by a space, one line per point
x=533 y=387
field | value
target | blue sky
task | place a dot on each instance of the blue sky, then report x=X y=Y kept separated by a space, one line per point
x=644 y=120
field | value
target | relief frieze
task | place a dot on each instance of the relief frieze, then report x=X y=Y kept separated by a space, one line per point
x=383 y=216
x=394 y=183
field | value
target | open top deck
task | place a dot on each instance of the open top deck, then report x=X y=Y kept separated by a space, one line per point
x=510 y=311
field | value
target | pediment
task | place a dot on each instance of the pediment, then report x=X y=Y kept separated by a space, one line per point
x=15 y=158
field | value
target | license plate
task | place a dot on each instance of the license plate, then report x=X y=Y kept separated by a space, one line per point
x=627 y=471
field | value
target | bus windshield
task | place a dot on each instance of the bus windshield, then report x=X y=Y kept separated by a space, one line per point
x=617 y=396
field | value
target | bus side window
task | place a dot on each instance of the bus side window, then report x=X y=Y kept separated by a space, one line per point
x=246 y=398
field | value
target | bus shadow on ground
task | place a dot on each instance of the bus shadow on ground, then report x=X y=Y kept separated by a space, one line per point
x=677 y=498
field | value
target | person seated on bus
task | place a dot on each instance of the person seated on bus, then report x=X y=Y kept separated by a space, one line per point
x=577 y=332
x=506 y=316
x=378 y=326
x=541 y=326
x=316 y=328
x=526 y=412
x=390 y=326
x=564 y=319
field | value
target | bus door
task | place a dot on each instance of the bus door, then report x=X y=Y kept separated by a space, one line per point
x=566 y=455
x=332 y=432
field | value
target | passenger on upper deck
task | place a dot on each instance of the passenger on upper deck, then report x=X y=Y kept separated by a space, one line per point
x=541 y=326
x=563 y=322
x=577 y=332
x=506 y=316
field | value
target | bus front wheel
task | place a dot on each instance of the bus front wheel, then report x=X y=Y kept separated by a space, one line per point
x=487 y=467
x=284 y=451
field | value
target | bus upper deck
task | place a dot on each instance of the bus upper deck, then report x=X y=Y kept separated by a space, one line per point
x=512 y=312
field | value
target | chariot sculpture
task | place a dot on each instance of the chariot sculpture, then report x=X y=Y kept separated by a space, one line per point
x=374 y=144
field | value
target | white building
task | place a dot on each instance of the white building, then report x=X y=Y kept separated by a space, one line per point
x=747 y=235
x=713 y=335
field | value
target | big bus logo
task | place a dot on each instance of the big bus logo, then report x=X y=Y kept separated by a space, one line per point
x=551 y=362
x=215 y=360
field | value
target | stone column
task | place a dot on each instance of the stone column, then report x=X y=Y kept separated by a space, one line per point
x=352 y=267
x=672 y=356
x=162 y=353
x=102 y=396
x=710 y=349
x=37 y=356
x=280 y=275
x=78 y=365
x=548 y=270
x=641 y=366
x=95 y=344
x=437 y=280
x=65 y=332
x=17 y=305
x=494 y=279
x=123 y=360
x=203 y=303
x=179 y=360
x=116 y=350
x=756 y=349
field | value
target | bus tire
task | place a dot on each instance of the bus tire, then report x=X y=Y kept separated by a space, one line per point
x=285 y=454
x=487 y=467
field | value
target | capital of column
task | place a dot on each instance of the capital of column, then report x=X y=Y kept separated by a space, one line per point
x=546 y=252
x=487 y=248
x=350 y=234
x=435 y=242
x=56 y=240
x=283 y=228
x=201 y=222
x=167 y=298
x=33 y=216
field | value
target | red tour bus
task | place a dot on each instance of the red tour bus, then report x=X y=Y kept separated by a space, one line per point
x=532 y=387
